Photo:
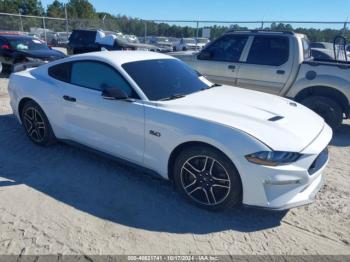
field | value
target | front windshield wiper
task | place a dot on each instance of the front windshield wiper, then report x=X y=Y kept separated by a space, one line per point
x=208 y=87
x=176 y=96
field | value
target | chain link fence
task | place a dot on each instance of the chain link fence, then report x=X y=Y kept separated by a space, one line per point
x=46 y=27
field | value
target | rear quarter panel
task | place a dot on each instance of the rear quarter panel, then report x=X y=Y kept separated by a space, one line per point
x=35 y=84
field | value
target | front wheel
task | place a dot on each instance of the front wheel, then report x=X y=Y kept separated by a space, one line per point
x=327 y=108
x=207 y=178
x=36 y=124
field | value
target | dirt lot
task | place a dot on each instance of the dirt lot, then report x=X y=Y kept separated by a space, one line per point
x=63 y=200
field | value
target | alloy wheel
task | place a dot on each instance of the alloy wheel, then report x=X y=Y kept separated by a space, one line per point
x=34 y=124
x=205 y=180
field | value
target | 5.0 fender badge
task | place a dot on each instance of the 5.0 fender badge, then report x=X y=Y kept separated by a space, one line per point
x=154 y=133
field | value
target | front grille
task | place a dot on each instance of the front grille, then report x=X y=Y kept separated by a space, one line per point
x=319 y=162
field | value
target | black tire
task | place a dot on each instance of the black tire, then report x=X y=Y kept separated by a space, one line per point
x=36 y=125
x=326 y=107
x=184 y=49
x=207 y=182
x=7 y=69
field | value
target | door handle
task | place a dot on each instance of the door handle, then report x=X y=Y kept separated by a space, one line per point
x=232 y=67
x=281 y=72
x=69 y=98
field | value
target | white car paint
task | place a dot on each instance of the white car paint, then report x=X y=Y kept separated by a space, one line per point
x=233 y=120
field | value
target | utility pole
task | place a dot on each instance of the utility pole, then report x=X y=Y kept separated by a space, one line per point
x=197 y=34
x=66 y=15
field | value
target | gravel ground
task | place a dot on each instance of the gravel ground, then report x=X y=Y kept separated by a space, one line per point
x=63 y=200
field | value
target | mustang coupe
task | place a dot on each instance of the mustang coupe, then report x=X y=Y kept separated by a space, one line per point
x=220 y=145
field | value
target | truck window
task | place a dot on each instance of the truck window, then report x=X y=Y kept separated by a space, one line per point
x=269 y=50
x=227 y=48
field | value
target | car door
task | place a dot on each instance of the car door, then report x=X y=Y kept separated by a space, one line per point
x=220 y=61
x=268 y=64
x=112 y=126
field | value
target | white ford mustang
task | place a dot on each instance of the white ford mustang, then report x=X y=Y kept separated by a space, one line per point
x=220 y=145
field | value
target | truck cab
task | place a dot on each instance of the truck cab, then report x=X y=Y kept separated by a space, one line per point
x=279 y=63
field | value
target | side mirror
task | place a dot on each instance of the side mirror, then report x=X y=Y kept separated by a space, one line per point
x=204 y=55
x=114 y=94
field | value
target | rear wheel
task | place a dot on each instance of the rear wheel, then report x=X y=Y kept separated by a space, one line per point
x=36 y=124
x=207 y=178
x=326 y=107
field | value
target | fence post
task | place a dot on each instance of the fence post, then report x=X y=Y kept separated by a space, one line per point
x=44 y=29
x=197 y=34
x=145 y=31
x=20 y=19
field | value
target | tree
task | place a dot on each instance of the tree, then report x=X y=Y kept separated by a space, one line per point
x=26 y=7
x=56 y=9
x=81 y=9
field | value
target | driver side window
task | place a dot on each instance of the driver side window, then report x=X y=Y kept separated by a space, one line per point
x=96 y=75
x=227 y=49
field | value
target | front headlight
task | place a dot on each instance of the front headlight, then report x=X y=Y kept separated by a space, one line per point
x=273 y=158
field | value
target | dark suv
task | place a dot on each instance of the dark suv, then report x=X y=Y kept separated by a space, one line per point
x=18 y=52
x=84 y=41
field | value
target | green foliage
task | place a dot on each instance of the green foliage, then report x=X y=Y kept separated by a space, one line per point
x=26 y=7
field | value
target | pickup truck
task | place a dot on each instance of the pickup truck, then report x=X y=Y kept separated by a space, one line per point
x=279 y=63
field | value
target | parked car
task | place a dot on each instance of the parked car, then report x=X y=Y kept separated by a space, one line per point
x=321 y=54
x=84 y=41
x=322 y=45
x=202 y=42
x=63 y=38
x=220 y=145
x=18 y=52
x=185 y=44
x=161 y=42
x=278 y=63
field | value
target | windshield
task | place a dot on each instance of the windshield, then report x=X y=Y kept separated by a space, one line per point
x=162 y=39
x=163 y=78
x=189 y=41
x=28 y=44
x=202 y=40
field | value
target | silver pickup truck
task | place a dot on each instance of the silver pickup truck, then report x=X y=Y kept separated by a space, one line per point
x=278 y=63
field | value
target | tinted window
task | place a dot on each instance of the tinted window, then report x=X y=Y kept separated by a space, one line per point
x=228 y=48
x=24 y=44
x=83 y=37
x=95 y=75
x=60 y=72
x=269 y=50
x=163 y=78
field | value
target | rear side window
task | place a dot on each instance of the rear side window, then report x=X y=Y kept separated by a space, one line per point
x=60 y=72
x=269 y=50
x=97 y=76
x=227 y=49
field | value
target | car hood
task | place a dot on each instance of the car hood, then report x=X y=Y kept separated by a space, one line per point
x=279 y=123
x=49 y=55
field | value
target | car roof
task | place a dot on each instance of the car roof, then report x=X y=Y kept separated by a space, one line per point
x=9 y=37
x=120 y=57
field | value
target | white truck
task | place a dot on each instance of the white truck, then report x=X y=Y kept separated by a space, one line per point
x=278 y=63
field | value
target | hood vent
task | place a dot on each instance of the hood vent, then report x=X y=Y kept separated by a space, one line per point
x=275 y=118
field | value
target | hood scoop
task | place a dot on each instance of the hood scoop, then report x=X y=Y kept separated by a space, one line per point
x=275 y=118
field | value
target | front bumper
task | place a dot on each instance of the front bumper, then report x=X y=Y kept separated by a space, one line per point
x=289 y=186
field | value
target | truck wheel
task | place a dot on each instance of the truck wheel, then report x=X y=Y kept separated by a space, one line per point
x=326 y=107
